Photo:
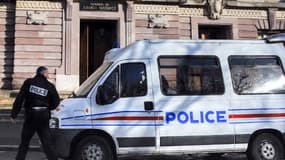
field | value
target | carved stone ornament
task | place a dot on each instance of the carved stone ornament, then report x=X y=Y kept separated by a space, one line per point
x=158 y=21
x=37 y=17
x=215 y=8
x=39 y=5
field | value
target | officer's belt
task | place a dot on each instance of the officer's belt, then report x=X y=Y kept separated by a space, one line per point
x=39 y=108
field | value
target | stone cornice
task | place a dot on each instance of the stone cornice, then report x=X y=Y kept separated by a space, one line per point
x=280 y=15
x=187 y=12
x=245 y=13
x=196 y=12
x=39 y=5
x=154 y=9
x=230 y=3
x=237 y=3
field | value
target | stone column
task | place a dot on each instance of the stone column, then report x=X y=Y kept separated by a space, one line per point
x=67 y=78
x=130 y=22
x=272 y=18
x=68 y=36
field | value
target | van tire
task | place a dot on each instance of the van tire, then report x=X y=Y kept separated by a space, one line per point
x=266 y=146
x=91 y=144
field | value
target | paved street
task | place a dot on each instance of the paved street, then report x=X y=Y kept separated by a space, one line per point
x=5 y=155
x=10 y=134
x=41 y=156
x=10 y=137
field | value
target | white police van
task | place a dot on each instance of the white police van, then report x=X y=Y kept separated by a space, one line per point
x=179 y=97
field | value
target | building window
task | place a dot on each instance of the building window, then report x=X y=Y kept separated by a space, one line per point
x=190 y=75
x=257 y=75
x=262 y=34
x=215 y=32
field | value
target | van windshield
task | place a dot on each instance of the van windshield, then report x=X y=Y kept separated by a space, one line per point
x=86 y=86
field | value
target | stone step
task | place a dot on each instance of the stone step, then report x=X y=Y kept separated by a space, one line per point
x=7 y=98
x=8 y=93
x=6 y=103
x=6 y=106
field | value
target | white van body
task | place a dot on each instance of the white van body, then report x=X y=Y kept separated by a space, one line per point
x=156 y=123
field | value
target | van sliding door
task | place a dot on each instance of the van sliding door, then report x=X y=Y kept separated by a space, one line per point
x=194 y=102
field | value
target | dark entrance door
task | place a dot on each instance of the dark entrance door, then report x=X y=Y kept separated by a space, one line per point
x=96 y=38
x=215 y=32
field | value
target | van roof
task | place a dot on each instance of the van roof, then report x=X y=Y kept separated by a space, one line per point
x=146 y=49
x=154 y=41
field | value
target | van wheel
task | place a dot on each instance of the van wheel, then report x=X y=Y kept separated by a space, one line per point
x=93 y=148
x=266 y=146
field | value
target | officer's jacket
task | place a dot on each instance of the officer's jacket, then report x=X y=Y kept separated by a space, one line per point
x=36 y=92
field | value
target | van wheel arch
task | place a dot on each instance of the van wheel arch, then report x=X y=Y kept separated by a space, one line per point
x=266 y=144
x=275 y=132
x=81 y=135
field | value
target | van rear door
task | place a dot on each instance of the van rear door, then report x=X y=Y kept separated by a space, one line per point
x=259 y=94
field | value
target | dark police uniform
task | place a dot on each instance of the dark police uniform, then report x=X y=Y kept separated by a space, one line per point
x=38 y=96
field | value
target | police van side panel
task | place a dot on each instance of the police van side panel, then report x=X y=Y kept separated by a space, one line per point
x=223 y=122
x=195 y=118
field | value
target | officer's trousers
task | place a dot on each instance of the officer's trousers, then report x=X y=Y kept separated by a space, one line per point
x=37 y=122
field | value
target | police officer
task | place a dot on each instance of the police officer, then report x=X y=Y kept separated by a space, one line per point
x=38 y=96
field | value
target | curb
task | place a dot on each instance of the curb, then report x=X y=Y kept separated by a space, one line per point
x=15 y=148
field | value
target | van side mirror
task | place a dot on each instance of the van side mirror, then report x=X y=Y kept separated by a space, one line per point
x=106 y=95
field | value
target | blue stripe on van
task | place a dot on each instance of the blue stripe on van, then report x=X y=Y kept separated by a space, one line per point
x=100 y=114
x=249 y=122
x=96 y=125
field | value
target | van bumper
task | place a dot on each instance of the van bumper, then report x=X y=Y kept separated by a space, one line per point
x=62 y=141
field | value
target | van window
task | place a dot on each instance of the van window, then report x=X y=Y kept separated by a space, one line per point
x=133 y=80
x=127 y=80
x=190 y=75
x=112 y=83
x=257 y=75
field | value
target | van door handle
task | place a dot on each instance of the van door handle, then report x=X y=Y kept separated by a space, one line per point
x=148 y=106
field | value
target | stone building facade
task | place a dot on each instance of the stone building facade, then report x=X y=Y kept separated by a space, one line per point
x=71 y=36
